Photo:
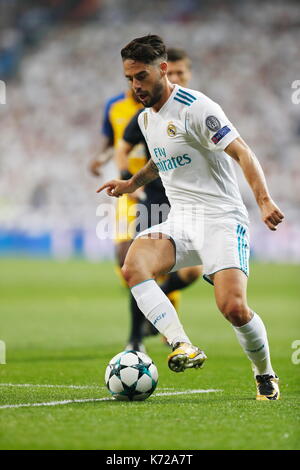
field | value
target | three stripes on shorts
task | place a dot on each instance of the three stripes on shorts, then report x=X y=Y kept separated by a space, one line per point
x=242 y=248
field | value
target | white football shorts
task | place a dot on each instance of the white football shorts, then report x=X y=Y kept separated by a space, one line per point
x=216 y=242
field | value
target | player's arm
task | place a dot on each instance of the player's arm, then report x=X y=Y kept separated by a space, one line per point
x=241 y=152
x=118 y=187
x=106 y=150
x=121 y=155
x=102 y=156
x=131 y=137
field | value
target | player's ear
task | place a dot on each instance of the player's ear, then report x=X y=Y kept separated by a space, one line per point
x=163 y=68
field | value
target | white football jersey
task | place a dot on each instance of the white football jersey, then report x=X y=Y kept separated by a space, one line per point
x=186 y=139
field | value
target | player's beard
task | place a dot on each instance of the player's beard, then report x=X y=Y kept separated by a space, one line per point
x=155 y=95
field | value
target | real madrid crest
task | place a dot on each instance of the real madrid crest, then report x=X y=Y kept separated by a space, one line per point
x=171 y=130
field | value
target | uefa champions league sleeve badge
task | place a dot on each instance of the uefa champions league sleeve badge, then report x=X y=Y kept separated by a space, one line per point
x=213 y=123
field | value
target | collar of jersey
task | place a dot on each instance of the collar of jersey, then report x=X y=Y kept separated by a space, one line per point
x=167 y=103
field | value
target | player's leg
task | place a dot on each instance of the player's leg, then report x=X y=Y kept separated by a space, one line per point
x=174 y=283
x=147 y=258
x=137 y=323
x=125 y=218
x=121 y=251
x=181 y=279
x=137 y=318
x=231 y=297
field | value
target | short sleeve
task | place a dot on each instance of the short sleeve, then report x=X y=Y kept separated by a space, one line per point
x=133 y=134
x=142 y=120
x=210 y=126
x=107 y=129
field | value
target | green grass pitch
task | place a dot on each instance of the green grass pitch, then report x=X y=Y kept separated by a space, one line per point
x=63 y=321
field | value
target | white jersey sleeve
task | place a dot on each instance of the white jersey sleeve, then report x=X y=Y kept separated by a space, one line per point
x=208 y=124
x=142 y=120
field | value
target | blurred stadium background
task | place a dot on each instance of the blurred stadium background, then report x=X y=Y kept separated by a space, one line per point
x=63 y=321
x=60 y=61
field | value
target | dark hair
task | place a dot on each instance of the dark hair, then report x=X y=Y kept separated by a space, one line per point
x=175 y=54
x=146 y=49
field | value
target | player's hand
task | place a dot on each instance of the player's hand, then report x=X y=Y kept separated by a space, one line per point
x=116 y=188
x=271 y=214
x=95 y=166
x=100 y=160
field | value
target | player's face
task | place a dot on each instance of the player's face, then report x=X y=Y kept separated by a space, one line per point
x=179 y=72
x=146 y=81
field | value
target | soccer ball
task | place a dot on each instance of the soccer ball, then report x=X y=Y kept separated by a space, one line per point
x=131 y=375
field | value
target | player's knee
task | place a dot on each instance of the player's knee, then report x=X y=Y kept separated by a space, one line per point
x=193 y=274
x=235 y=311
x=128 y=272
x=134 y=273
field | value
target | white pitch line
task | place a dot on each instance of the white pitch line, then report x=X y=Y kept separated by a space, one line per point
x=64 y=386
x=51 y=386
x=54 y=403
x=88 y=400
x=186 y=392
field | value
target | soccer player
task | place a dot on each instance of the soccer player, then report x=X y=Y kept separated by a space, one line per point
x=118 y=111
x=193 y=145
x=179 y=72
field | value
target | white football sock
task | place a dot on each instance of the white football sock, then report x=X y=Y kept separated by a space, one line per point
x=253 y=339
x=158 y=309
